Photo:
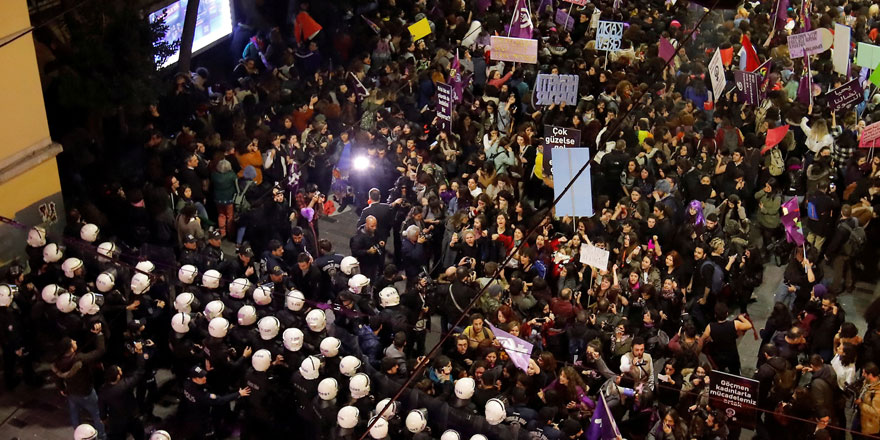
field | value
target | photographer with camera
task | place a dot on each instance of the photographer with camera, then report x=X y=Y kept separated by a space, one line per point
x=414 y=253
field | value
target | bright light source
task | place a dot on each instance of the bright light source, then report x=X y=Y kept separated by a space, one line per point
x=361 y=163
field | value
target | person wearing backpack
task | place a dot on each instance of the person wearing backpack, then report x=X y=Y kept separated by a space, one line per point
x=223 y=181
x=768 y=220
x=776 y=377
x=847 y=241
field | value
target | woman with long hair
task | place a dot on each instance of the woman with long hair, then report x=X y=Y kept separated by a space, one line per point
x=818 y=136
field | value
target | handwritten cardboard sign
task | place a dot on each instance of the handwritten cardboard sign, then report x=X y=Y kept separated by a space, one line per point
x=870 y=136
x=805 y=43
x=845 y=97
x=556 y=89
x=517 y=50
x=444 y=106
x=594 y=256
x=609 y=35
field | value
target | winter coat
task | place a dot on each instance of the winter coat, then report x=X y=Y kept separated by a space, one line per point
x=768 y=211
x=870 y=408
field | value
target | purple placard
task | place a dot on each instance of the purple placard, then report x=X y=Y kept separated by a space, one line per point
x=735 y=396
x=667 y=50
x=564 y=20
x=558 y=137
x=805 y=43
x=749 y=86
x=845 y=96
x=444 y=106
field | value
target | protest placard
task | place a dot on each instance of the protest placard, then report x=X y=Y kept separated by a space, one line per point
x=558 y=137
x=579 y=2
x=840 y=51
x=716 y=74
x=420 y=29
x=594 y=19
x=807 y=43
x=667 y=50
x=564 y=20
x=578 y=200
x=556 y=89
x=517 y=50
x=749 y=86
x=867 y=55
x=609 y=35
x=870 y=136
x=845 y=96
x=735 y=396
x=444 y=106
x=594 y=257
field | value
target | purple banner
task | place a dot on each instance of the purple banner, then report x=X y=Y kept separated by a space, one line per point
x=602 y=425
x=736 y=396
x=517 y=349
x=444 y=106
x=845 y=97
x=749 y=86
x=564 y=20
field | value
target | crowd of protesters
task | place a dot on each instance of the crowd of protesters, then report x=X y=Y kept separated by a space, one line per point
x=334 y=111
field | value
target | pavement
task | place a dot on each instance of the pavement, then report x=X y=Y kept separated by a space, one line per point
x=28 y=413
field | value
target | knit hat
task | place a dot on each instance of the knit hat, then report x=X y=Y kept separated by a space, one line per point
x=819 y=290
x=250 y=172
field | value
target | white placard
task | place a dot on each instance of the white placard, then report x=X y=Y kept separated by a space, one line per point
x=609 y=35
x=716 y=73
x=840 y=50
x=556 y=89
x=593 y=256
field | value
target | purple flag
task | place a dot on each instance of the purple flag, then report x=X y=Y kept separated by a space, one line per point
x=455 y=79
x=545 y=6
x=521 y=21
x=805 y=86
x=518 y=350
x=781 y=14
x=667 y=50
x=602 y=426
x=791 y=221
x=372 y=25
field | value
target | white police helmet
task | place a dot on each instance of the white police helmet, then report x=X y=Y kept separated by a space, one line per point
x=184 y=302
x=140 y=283
x=269 y=326
x=294 y=300
x=388 y=413
x=247 y=315
x=36 y=236
x=388 y=297
x=239 y=287
x=214 y=309
x=211 y=279
x=85 y=432
x=495 y=411
x=359 y=386
x=262 y=295
x=88 y=304
x=293 y=339
x=261 y=360
x=479 y=437
x=218 y=327
x=347 y=417
x=105 y=282
x=187 y=274
x=107 y=249
x=145 y=266
x=357 y=283
x=316 y=319
x=328 y=388
x=330 y=346
x=89 y=232
x=160 y=435
x=66 y=302
x=70 y=266
x=379 y=430
x=464 y=388
x=349 y=365
x=180 y=322
x=417 y=420
x=7 y=293
x=53 y=253
x=450 y=434
x=310 y=368
x=51 y=292
x=350 y=266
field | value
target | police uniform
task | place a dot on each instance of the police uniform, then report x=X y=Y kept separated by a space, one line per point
x=196 y=406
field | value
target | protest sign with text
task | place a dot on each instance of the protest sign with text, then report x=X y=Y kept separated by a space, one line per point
x=609 y=35
x=846 y=96
x=556 y=89
x=558 y=137
x=517 y=50
x=444 y=106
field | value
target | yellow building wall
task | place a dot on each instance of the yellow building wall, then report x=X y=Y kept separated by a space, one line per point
x=30 y=185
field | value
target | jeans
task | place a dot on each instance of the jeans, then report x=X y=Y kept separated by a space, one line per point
x=784 y=296
x=89 y=403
